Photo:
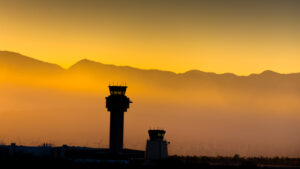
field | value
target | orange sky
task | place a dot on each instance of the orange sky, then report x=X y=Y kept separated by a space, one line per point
x=217 y=36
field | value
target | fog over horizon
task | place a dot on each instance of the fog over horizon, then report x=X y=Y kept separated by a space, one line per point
x=203 y=113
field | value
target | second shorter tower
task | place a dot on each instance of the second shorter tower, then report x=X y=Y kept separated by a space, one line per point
x=157 y=147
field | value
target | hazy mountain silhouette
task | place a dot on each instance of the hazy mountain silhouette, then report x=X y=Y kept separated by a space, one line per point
x=194 y=79
x=204 y=113
x=16 y=63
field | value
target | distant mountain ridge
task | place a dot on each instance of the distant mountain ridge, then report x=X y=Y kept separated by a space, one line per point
x=97 y=73
x=18 y=61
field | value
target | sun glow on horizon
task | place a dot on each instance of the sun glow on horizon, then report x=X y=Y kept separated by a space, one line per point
x=211 y=37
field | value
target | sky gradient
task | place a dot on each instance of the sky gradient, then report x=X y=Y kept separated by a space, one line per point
x=241 y=37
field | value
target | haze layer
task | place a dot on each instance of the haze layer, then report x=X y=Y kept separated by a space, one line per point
x=203 y=113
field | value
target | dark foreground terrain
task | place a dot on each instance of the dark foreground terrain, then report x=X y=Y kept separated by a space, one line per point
x=172 y=162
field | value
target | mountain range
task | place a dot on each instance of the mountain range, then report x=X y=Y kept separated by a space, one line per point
x=17 y=62
x=14 y=63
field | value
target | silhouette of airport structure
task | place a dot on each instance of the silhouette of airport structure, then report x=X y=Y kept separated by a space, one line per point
x=157 y=147
x=117 y=104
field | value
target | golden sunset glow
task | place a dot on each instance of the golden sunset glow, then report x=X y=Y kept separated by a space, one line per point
x=237 y=37
x=57 y=58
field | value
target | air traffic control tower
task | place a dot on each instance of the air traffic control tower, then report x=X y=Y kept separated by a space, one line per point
x=157 y=147
x=117 y=103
